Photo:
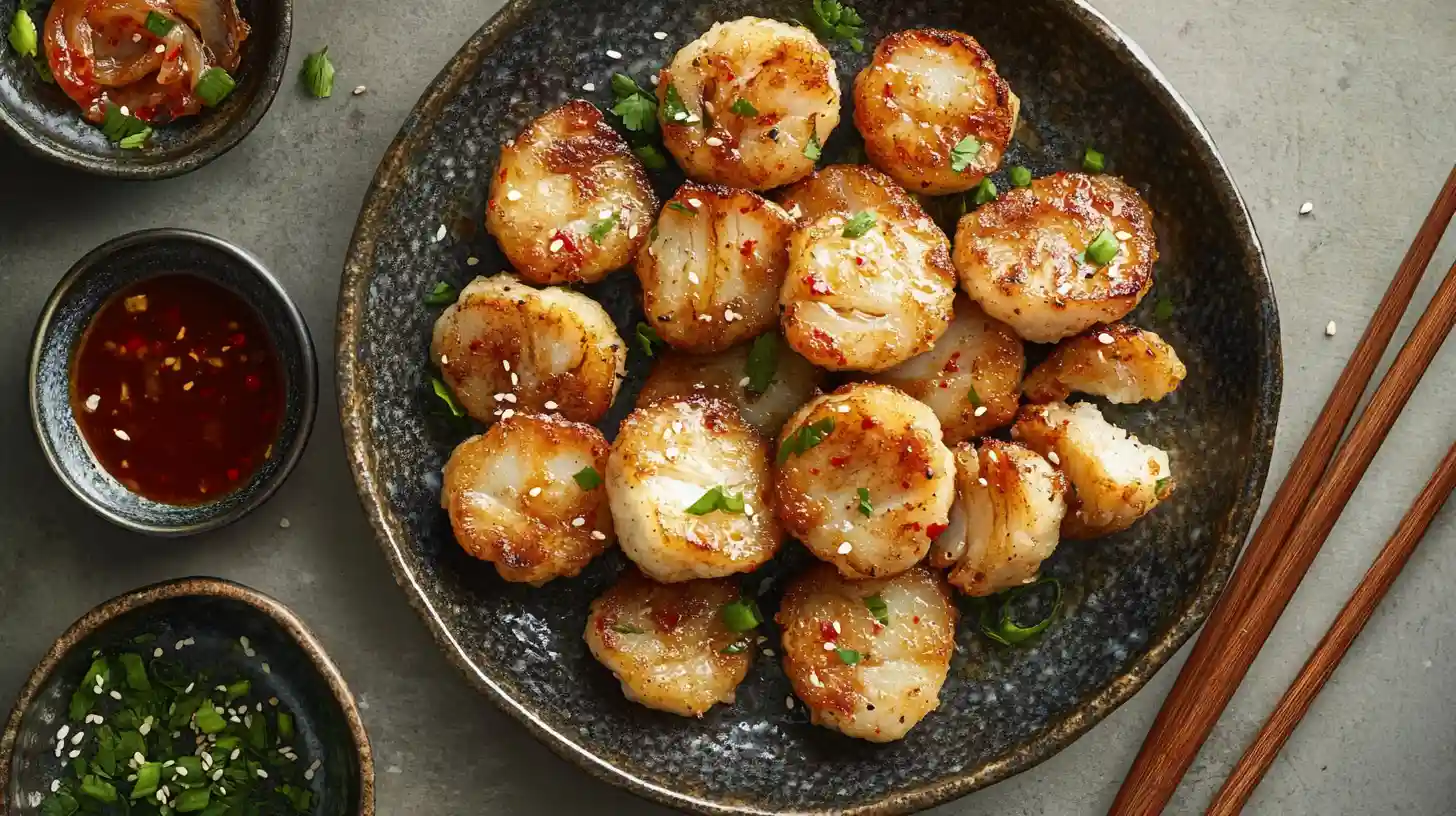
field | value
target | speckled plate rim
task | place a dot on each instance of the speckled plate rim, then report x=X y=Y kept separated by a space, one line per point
x=43 y=146
x=307 y=384
x=108 y=611
x=354 y=405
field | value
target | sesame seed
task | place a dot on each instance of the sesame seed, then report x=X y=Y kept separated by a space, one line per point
x=507 y=413
x=1105 y=339
x=61 y=734
x=56 y=783
x=981 y=411
x=659 y=35
x=789 y=703
x=533 y=492
x=598 y=535
x=217 y=774
x=1306 y=208
x=991 y=454
x=694 y=203
x=233 y=757
x=653 y=79
x=692 y=117
x=511 y=398
x=550 y=406
x=440 y=234
x=747 y=509
x=578 y=521
x=632 y=232
x=557 y=245
x=829 y=646
x=714 y=141
x=122 y=435
x=1330 y=329
x=983 y=481
x=74 y=753
x=837 y=630
x=590 y=86
x=513 y=195
x=308 y=774
x=284 y=523
x=768 y=652
x=506 y=364
x=679 y=116
x=706 y=318
x=93 y=402
x=1054 y=458
x=729 y=315
x=115 y=695
x=187 y=386
x=845 y=547
x=137 y=37
x=181 y=771
x=843 y=409
x=614 y=54
x=160 y=49
x=262 y=774
x=1122 y=235
x=359 y=90
x=472 y=261
x=125 y=111
x=693 y=278
x=515 y=381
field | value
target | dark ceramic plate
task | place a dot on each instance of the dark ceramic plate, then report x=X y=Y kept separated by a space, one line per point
x=1132 y=599
x=88 y=285
x=212 y=615
x=43 y=119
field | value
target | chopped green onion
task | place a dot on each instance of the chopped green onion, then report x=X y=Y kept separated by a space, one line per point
x=587 y=478
x=735 y=647
x=763 y=362
x=647 y=338
x=716 y=499
x=673 y=107
x=1003 y=627
x=627 y=629
x=98 y=789
x=1020 y=176
x=805 y=438
x=1103 y=248
x=878 y=608
x=743 y=107
x=848 y=656
x=964 y=153
x=208 y=720
x=236 y=690
x=135 y=141
x=975 y=399
x=285 y=727
x=149 y=778
x=447 y=396
x=158 y=24
x=742 y=615
x=318 y=74
x=833 y=20
x=681 y=207
x=192 y=800
x=1093 y=162
x=650 y=157
x=136 y=672
x=860 y=224
x=443 y=294
x=22 y=34
x=865 y=508
x=214 y=86
x=600 y=229
x=1161 y=483
x=812 y=149
x=123 y=128
x=1163 y=310
x=983 y=193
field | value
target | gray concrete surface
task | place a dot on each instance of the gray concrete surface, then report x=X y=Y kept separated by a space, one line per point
x=1348 y=104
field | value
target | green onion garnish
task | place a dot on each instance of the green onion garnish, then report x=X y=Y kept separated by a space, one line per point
x=716 y=499
x=22 y=34
x=973 y=397
x=124 y=129
x=158 y=24
x=587 y=478
x=214 y=86
x=1103 y=248
x=681 y=207
x=650 y=157
x=860 y=224
x=812 y=149
x=763 y=362
x=865 y=508
x=647 y=338
x=735 y=647
x=1163 y=309
x=964 y=153
x=318 y=74
x=848 y=656
x=1020 y=176
x=742 y=615
x=446 y=396
x=443 y=294
x=1160 y=485
x=599 y=231
x=1093 y=162
x=673 y=107
x=1002 y=627
x=806 y=437
x=878 y=608
x=743 y=107
x=983 y=193
x=627 y=629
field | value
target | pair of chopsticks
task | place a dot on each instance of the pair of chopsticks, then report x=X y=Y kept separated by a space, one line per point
x=1303 y=512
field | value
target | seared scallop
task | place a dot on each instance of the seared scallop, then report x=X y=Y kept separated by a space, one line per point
x=689 y=486
x=568 y=200
x=971 y=379
x=1006 y=520
x=1115 y=478
x=668 y=644
x=868 y=658
x=1064 y=254
x=728 y=376
x=866 y=291
x=846 y=189
x=713 y=269
x=506 y=348
x=864 y=480
x=1120 y=363
x=749 y=104
x=934 y=113
x=527 y=496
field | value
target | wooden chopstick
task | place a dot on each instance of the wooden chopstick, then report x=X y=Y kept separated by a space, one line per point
x=1347 y=626
x=1157 y=770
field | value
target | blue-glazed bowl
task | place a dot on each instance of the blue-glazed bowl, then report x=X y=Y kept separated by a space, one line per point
x=103 y=272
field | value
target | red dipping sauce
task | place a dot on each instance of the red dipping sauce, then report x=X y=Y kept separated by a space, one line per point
x=177 y=389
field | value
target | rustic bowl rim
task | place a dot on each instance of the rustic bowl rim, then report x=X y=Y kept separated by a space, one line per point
x=1268 y=379
x=306 y=382
x=196 y=587
x=43 y=146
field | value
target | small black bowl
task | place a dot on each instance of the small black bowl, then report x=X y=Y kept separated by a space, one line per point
x=44 y=120
x=208 y=617
x=103 y=272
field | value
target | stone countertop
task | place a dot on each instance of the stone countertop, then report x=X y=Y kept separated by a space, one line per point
x=1309 y=100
